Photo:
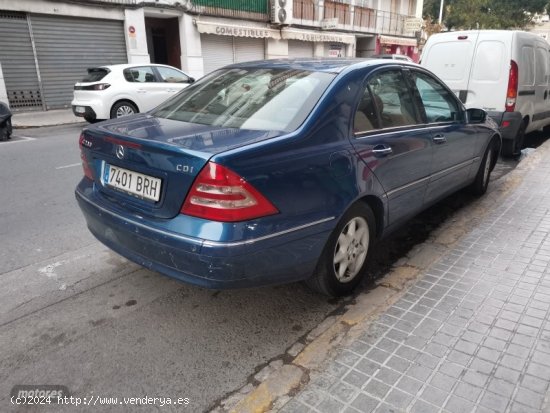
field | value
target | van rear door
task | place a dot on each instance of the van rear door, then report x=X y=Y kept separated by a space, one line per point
x=490 y=71
x=450 y=56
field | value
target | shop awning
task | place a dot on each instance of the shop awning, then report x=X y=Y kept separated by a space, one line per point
x=400 y=41
x=222 y=29
x=316 y=36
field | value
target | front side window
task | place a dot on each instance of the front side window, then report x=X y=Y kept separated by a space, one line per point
x=143 y=74
x=169 y=75
x=393 y=99
x=439 y=104
x=251 y=98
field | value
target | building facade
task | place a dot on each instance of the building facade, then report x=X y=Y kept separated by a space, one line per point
x=48 y=45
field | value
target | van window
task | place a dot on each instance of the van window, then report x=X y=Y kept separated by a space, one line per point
x=527 y=66
x=489 y=61
x=541 y=71
x=447 y=60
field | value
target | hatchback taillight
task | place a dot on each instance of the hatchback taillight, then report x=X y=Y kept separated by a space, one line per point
x=512 y=92
x=219 y=194
x=97 y=86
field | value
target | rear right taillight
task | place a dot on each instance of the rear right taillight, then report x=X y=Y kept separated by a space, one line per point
x=219 y=194
x=512 y=92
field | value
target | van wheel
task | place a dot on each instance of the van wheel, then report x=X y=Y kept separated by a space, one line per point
x=512 y=148
x=480 y=184
x=343 y=261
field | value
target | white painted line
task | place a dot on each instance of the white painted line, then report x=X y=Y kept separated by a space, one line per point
x=68 y=166
x=18 y=139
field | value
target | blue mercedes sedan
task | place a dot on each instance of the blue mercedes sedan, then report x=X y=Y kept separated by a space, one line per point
x=279 y=171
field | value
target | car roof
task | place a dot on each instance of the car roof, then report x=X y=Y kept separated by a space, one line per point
x=330 y=65
x=123 y=66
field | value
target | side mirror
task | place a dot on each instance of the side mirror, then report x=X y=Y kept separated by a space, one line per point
x=476 y=115
x=191 y=80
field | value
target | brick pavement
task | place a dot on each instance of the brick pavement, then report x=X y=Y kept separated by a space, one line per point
x=472 y=334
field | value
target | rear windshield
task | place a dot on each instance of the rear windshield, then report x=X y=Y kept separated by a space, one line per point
x=260 y=99
x=95 y=74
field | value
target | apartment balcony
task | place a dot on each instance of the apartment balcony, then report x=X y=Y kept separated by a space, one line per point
x=353 y=18
x=257 y=10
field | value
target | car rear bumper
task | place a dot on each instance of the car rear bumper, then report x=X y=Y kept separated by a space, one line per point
x=283 y=258
x=508 y=123
x=94 y=108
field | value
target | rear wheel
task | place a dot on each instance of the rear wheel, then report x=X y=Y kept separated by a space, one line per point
x=6 y=130
x=123 y=108
x=512 y=148
x=343 y=261
x=479 y=186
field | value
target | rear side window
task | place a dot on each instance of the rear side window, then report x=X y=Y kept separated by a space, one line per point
x=95 y=74
x=490 y=61
x=541 y=71
x=527 y=69
x=448 y=60
x=143 y=74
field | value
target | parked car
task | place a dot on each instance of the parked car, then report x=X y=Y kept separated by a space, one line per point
x=5 y=122
x=108 y=92
x=502 y=71
x=392 y=56
x=294 y=180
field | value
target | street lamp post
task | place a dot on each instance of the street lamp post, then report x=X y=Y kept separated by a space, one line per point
x=441 y=12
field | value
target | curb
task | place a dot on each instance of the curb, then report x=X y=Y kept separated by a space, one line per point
x=278 y=384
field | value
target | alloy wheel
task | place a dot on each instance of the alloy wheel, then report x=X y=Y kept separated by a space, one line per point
x=351 y=249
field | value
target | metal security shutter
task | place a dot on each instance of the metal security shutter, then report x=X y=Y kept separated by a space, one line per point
x=297 y=48
x=67 y=46
x=248 y=48
x=18 y=65
x=217 y=51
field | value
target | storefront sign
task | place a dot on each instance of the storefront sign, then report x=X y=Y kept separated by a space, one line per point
x=329 y=24
x=313 y=36
x=413 y=24
x=335 y=50
x=238 y=31
x=401 y=41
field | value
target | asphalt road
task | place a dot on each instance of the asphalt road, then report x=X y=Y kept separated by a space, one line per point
x=73 y=313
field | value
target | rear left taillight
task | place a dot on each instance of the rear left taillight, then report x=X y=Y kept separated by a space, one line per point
x=219 y=194
x=83 y=142
x=512 y=92
x=98 y=86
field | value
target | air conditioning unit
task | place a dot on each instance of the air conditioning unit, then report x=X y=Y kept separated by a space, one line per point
x=281 y=11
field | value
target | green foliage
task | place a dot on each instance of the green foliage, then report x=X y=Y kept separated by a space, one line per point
x=485 y=14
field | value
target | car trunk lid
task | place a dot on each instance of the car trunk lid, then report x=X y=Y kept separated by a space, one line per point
x=126 y=154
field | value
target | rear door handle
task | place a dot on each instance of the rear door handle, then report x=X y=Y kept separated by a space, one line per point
x=439 y=138
x=382 y=150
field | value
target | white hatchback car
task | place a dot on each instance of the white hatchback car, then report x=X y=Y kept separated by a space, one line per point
x=113 y=91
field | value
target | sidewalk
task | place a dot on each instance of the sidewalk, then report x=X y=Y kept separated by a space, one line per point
x=472 y=333
x=46 y=118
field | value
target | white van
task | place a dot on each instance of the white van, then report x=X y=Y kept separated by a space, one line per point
x=504 y=72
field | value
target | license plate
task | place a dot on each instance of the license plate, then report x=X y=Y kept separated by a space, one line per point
x=80 y=109
x=134 y=183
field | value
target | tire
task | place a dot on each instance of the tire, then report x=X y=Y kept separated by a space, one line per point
x=6 y=130
x=331 y=277
x=512 y=148
x=90 y=119
x=481 y=182
x=123 y=108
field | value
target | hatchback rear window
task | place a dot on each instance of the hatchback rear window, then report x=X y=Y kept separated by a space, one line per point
x=95 y=74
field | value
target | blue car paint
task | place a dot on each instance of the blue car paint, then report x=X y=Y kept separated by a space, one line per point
x=312 y=176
